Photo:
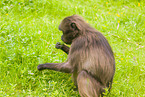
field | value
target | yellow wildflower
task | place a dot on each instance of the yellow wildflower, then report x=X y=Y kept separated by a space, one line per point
x=118 y=21
x=121 y=12
x=98 y=9
x=118 y=15
x=138 y=4
x=7 y=14
x=95 y=17
x=45 y=89
x=106 y=2
x=108 y=12
x=121 y=58
x=115 y=81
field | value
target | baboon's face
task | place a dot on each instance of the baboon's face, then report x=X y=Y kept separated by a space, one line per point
x=69 y=30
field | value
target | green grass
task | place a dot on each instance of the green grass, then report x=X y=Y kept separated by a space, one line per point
x=29 y=32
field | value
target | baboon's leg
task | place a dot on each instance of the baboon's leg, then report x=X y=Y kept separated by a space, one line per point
x=88 y=86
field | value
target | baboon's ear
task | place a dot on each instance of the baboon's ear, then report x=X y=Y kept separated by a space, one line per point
x=74 y=26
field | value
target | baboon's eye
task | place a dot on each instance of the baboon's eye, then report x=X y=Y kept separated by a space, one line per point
x=66 y=32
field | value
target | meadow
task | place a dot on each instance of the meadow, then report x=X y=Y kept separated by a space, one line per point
x=29 y=32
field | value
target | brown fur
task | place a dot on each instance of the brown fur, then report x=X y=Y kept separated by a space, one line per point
x=90 y=57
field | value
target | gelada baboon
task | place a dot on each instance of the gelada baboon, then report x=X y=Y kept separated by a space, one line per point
x=90 y=57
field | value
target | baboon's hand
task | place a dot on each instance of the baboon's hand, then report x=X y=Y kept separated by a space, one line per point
x=40 y=67
x=58 y=45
